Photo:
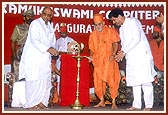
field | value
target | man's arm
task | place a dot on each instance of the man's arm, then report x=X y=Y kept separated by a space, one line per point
x=13 y=49
x=91 y=56
x=13 y=42
x=114 y=50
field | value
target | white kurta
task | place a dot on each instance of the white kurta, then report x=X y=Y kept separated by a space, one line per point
x=35 y=64
x=139 y=60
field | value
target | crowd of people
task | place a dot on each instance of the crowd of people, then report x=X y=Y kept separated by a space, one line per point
x=38 y=53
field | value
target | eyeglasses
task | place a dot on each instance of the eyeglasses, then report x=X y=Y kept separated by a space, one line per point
x=48 y=15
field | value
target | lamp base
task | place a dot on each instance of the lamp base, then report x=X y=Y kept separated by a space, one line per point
x=77 y=105
x=74 y=106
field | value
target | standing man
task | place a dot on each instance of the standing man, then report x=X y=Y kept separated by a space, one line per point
x=35 y=64
x=157 y=48
x=18 y=39
x=103 y=44
x=64 y=40
x=139 y=61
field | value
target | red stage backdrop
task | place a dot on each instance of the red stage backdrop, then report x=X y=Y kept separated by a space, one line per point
x=78 y=17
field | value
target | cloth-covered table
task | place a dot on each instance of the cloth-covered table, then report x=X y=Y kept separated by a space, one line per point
x=68 y=81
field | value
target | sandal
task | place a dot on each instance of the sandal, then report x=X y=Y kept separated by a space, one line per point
x=34 y=108
x=147 y=109
x=42 y=106
x=133 y=109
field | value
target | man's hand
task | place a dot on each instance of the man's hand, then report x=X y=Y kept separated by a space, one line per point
x=53 y=51
x=90 y=58
x=112 y=57
x=119 y=56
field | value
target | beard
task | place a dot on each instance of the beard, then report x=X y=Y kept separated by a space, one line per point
x=29 y=21
x=155 y=36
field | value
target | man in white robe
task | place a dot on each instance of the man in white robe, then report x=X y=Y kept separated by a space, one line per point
x=35 y=64
x=140 y=71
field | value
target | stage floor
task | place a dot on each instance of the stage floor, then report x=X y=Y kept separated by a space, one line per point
x=87 y=109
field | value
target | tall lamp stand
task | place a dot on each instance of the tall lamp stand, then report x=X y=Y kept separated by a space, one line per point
x=77 y=104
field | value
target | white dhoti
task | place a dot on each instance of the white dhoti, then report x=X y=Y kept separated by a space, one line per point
x=18 y=94
x=36 y=92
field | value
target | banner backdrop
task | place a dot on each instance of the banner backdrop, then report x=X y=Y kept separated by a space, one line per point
x=78 y=17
